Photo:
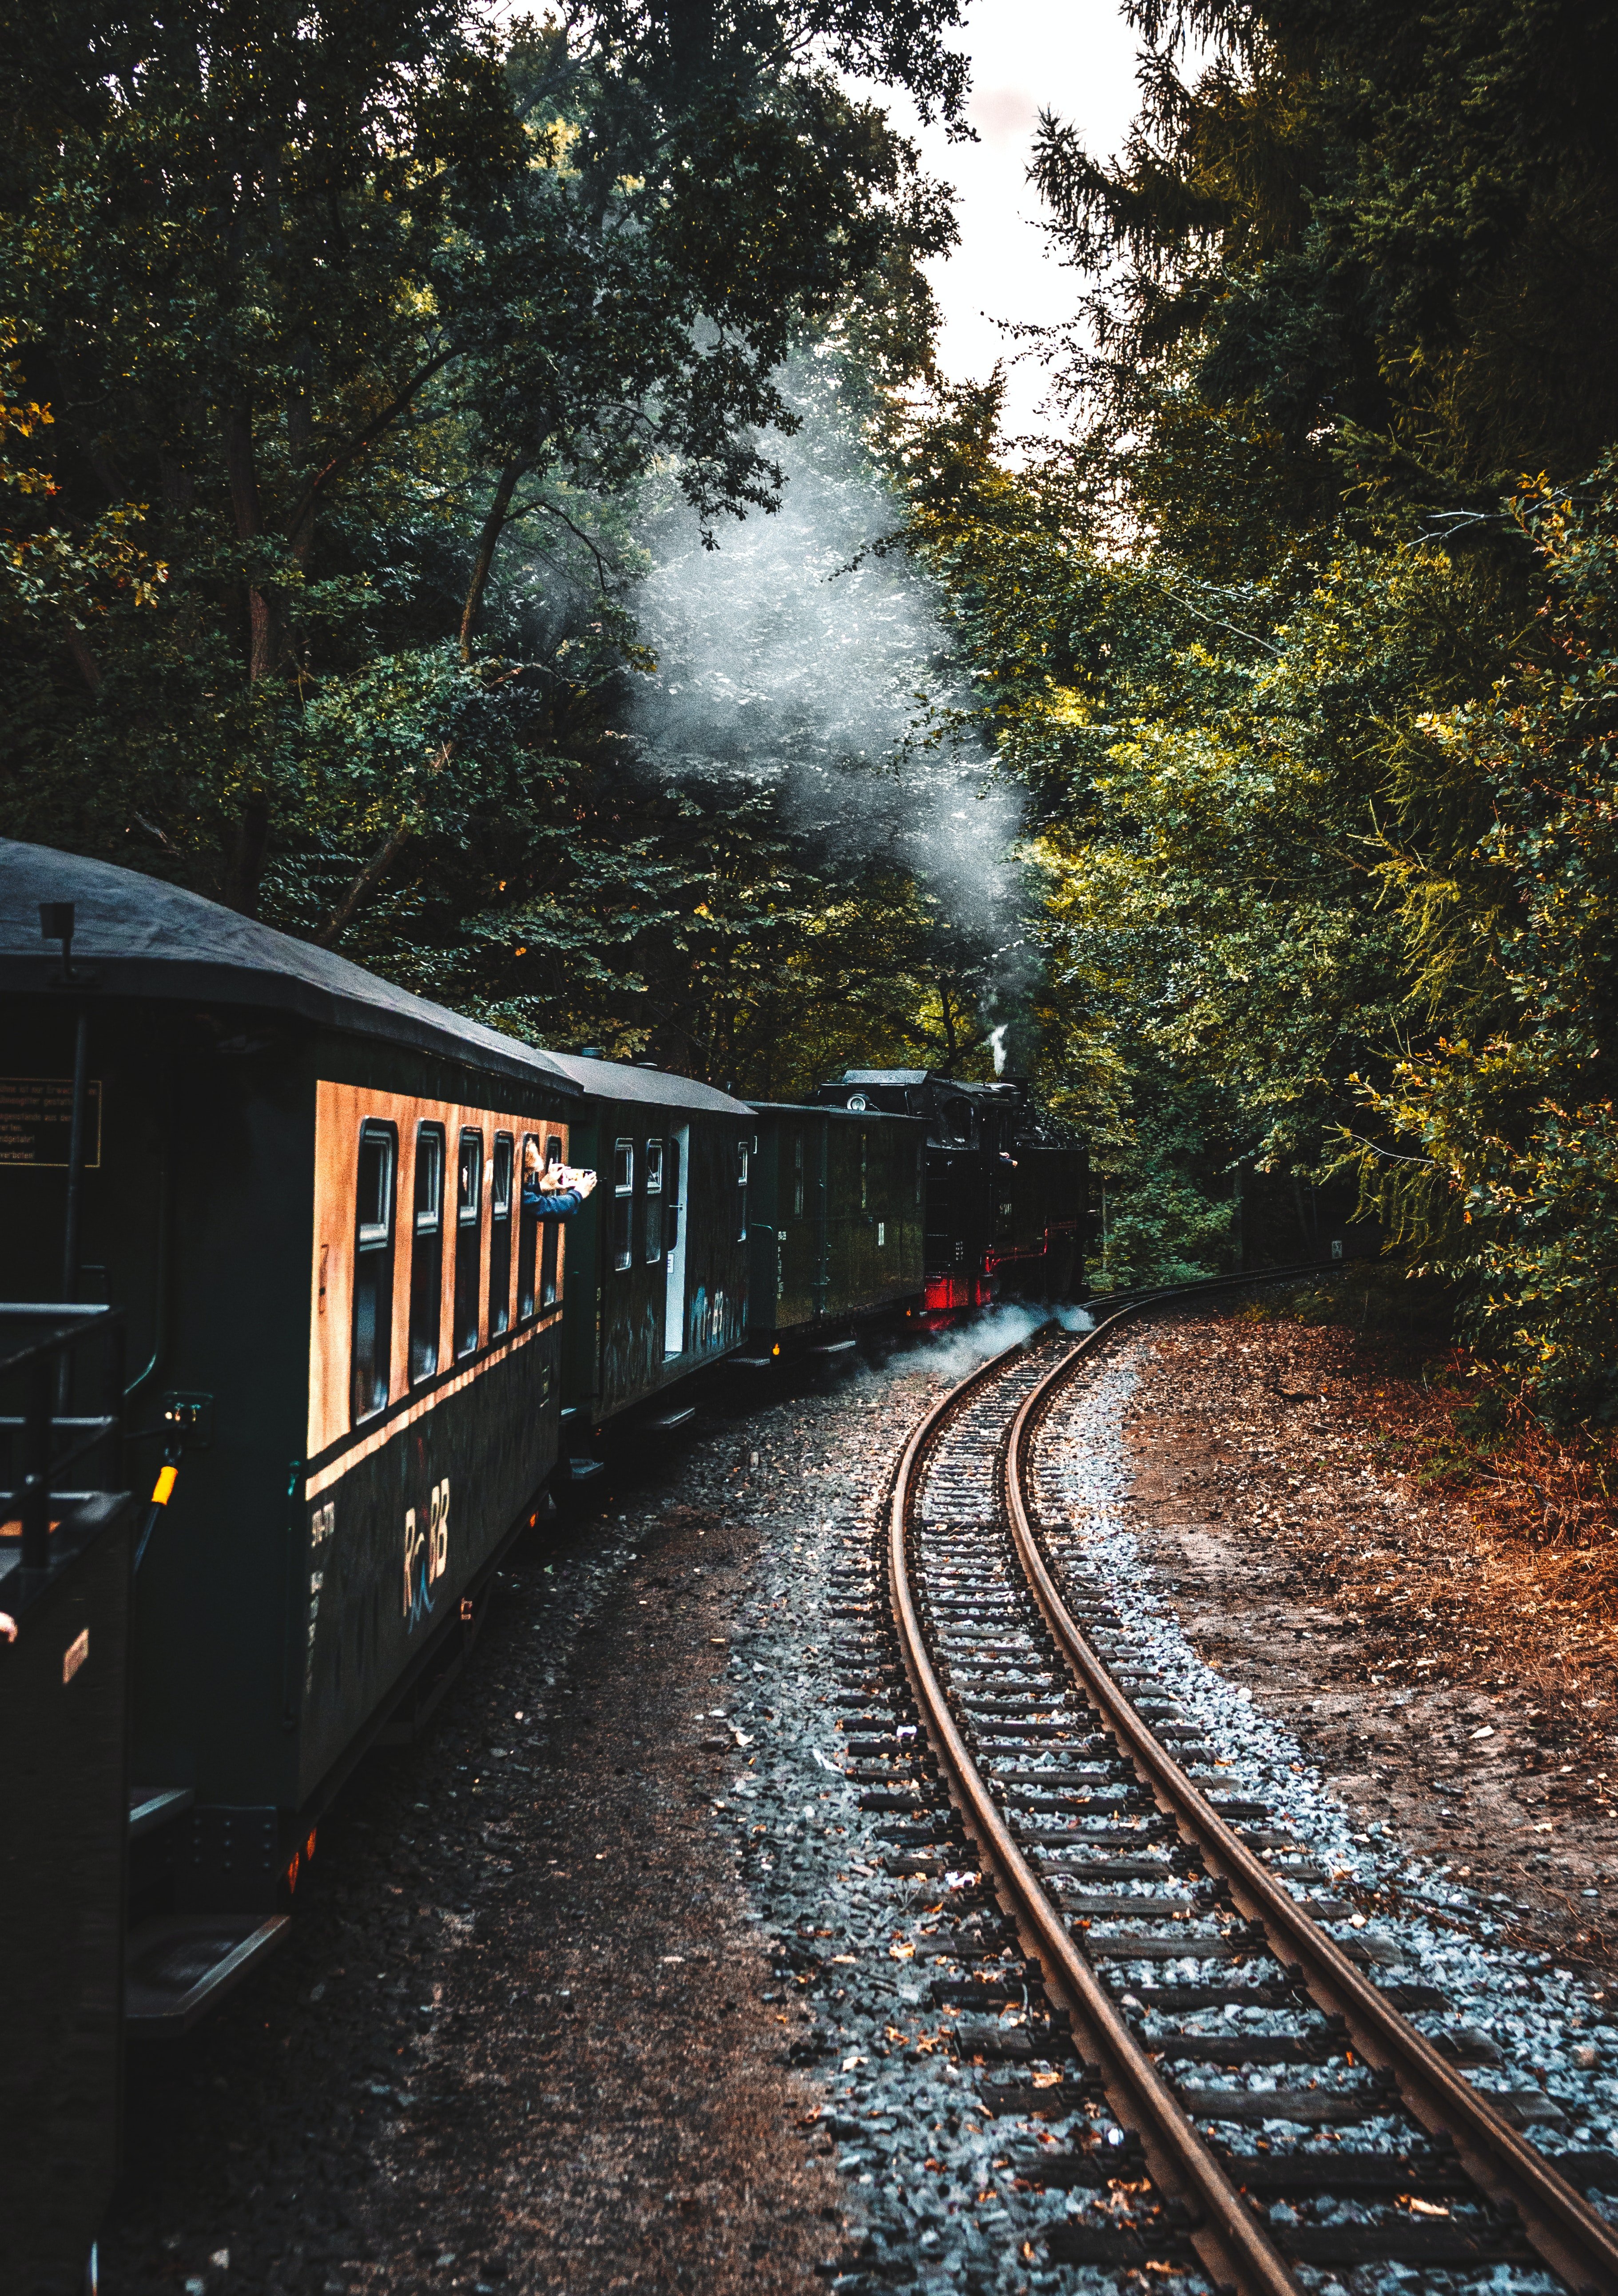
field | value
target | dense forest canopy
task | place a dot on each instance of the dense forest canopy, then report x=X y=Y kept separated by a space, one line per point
x=398 y=421
x=349 y=355
x=1302 y=637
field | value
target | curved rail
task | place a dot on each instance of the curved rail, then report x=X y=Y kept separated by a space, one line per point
x=1234 y=2247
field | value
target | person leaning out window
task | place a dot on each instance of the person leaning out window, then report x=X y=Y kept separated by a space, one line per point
x=552 y=1190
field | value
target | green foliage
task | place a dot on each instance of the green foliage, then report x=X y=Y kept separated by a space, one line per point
x=351 y=356
x=1314 y=692
x=1512 y=1098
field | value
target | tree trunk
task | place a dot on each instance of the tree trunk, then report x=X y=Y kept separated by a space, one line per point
x=262 y=616
x=1306 y=1225
x=89 y=668
x=947 y=1017
x=245 y=870
x=366 y=884
x=488 y=542
x=248 y=847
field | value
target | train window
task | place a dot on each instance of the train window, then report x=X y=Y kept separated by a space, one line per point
x=623 y=1202
x=368 y=1363
x=500 y=1233
x=528 y=1241
x=920 y=1170
x=742 y=1151
x=654 y=1202
x=426 y=1253
x=797 y=1177
x=468 y=1236
x=864 y=1174
x=551 y=1240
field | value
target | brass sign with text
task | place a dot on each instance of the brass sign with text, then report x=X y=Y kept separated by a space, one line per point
x=37 y=1121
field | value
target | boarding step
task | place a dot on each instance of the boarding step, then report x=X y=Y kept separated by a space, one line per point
x=151 y=1807
x=178 y=1966
x=667 y=1421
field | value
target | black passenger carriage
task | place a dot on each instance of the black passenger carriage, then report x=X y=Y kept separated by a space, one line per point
x=300 y=1184
x=659 y=1253
x=351 y=1350
x=65 y=1582
x=838 y=1222
x=1005 y=1191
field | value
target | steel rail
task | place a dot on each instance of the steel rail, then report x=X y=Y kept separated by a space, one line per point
x=1232 y=2246
x=1559 y=2223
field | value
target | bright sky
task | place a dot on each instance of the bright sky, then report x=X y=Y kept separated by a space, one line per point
x=1075 y=58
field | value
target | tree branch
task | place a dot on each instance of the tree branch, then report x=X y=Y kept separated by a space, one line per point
x=488 y=542
x=370 y=880
x=365 y=885
x=300 y=524
x=600 y=562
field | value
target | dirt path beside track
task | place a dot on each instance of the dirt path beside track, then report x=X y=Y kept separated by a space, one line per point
x=1374 y=1613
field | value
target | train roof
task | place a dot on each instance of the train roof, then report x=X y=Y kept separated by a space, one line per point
x=998 y=1089
x=647 y=1088
x=147 y=938
x=829 y=1107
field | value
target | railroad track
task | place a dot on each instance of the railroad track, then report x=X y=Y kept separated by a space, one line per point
x=1106 y=1869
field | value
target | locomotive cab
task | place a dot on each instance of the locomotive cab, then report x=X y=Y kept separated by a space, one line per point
x=1005 y=1187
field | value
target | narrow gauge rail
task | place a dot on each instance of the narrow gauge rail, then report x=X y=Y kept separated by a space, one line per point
x=1057 y=1755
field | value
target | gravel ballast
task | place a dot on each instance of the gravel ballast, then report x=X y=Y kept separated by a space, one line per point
x=611 y=1981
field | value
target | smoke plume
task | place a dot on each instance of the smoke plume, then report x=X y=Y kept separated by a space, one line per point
x=803 y=654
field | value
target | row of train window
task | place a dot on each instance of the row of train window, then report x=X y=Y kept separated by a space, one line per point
x=375 y=1237
x=659 y=1186
x=798 y=1173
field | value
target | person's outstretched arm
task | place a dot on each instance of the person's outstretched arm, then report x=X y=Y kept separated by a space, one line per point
x=550 y=1204
x=553 y=1192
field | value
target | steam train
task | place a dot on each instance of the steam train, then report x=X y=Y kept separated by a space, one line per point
x=357 y=1367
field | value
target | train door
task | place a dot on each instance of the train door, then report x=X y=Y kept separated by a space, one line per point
x=674 y=1239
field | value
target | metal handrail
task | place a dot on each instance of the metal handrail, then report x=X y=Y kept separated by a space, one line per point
x=42 y=1359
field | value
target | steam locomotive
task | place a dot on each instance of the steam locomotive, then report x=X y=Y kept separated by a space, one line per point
x=357 y=1367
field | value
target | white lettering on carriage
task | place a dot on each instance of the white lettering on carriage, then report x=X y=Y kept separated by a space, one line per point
x=425 y=1553
x=412 y=1548
x=317 y=1579
x=323 y=1529
x=439 y=1562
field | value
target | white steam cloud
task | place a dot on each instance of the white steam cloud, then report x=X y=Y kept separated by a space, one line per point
x=954 y=1354
x=801 y=654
